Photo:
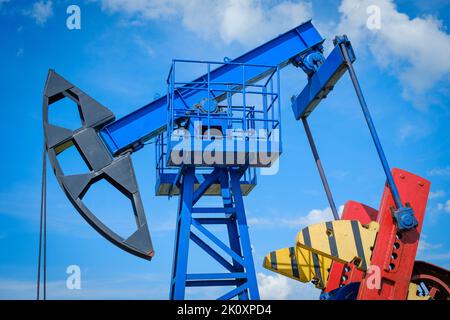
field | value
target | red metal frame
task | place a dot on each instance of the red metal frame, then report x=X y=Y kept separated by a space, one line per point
x=436 y=279
x=395 y=252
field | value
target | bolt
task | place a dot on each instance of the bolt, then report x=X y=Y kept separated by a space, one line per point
x=407 y=220
x=402 y=176
x=421 y=183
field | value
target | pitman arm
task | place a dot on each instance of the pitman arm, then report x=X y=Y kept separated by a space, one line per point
x=319 y=85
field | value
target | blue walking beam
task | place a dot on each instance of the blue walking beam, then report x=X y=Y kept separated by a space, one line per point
x=131 y=131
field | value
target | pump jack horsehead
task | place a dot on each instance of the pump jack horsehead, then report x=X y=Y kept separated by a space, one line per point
x=335 y=255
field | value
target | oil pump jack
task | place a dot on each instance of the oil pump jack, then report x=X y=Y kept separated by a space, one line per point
x=210 y=135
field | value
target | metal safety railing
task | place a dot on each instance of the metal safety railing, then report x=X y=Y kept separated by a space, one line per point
x=243 y=101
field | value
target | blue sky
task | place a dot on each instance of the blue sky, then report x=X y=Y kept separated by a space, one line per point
x=121 y=57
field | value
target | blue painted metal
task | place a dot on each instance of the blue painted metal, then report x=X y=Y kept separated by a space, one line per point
x=131 y=131
x=183 y=230
x=403 y=215
x=235 y=292
x=245 y=118
x=322 y=82
x=311 y=62
x=209 y=276
x=167 y=178
x=217 y=241
x=242 y=228
x=319 y=85
x=348 y=292
x=231 y=214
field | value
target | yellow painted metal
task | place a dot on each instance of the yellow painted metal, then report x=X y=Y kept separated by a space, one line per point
x=299 y=264
x=313 y=266
x=343 y=241
x=283 y=261
x=318 y=245
x=412 y=293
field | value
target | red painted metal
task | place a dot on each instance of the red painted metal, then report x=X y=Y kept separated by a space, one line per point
x=343 y=274
x=435 y=279
x=395 y=252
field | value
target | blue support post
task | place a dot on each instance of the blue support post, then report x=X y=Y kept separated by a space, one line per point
x=233 y=233
x=241 y=276
x=241 y=221
x=183 y=229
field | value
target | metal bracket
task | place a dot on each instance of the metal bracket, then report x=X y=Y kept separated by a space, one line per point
x=404 y=218
x=310 y=62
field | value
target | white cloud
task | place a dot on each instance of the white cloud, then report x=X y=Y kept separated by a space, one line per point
x=445 y=256
x=406 y=131
x=278 y=287
x=414 y=50
x=253 y=221
x=436 y=194
x=441 y=209
x=19 y=52
x=143 y=8
x=313 y=216
x=274 y=287
x=445 y=207
x=431 y=252
x=250 y=22
x=339 y=174
x=142 y=44
x=439 y=172
x=41 y=11
x=425 y=246
x=414 y=131
x=245 y=21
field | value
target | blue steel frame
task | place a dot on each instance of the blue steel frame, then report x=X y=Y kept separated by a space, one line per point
x=191 y=221
x=230 y=113
x=259 y=106
x=241 y=276
x=131 y=131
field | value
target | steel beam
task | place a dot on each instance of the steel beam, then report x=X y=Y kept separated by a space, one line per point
x=131 y=131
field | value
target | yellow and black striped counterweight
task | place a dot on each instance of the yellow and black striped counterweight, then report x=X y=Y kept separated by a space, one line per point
x=299 y=264
x=318 y=245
